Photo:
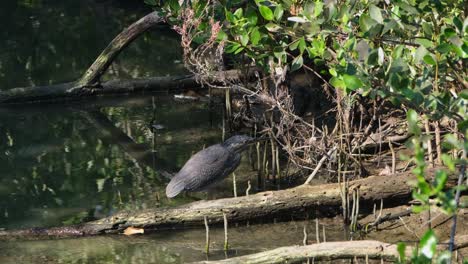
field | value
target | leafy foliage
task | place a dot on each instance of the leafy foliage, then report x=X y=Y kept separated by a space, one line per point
x=411 y=53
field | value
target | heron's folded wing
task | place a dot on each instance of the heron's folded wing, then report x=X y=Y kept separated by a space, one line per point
x=206 y=167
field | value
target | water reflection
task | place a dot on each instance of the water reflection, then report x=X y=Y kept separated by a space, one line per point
x=66 y=165
x=165 y=246
x=49 y=42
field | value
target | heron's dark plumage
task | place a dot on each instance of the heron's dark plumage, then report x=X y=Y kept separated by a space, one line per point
x=208 y=166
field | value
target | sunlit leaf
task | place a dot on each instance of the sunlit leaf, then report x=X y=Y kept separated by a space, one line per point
x=428 y=244
x=266 y=12
x=352 y=82
x=376 y=14
x=255 y=36
x=297 y=19
x=297 y=63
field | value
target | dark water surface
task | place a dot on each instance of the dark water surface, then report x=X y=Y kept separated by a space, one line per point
x=68 y=163
x=53 y=41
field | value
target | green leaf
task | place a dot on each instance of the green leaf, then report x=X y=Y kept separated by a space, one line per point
x=239 y=50
x=297 y=19
x=278 y=12
x=352 y=82
x=428 y=29
x=424 y=42
x=449 y=32
x=440 y=180
x=297 y=63
x=366 y=23
x=239 y=13
x=337 y=83
x=458 y=23
x=318 y=8
x=255 y=36
x=444 y=48
x=244 y=38
x=448 y=161
x=272 y=27
x=232 y=47
x=464 y=94
x=428 y=244
x=302 y=45
x=266 y=12
x=429 y=59
x=251 y=16
x=401 y=247
x=221 y=36
x=376 y=57
x=229 y=16
x=294 y=45
x=412 y=118
x=376 y=14
x=420 y=53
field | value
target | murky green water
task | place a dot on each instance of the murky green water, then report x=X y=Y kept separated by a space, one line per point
x=68 y=163
x=52 y=41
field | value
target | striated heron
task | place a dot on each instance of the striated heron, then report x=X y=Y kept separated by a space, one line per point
x=209 y=165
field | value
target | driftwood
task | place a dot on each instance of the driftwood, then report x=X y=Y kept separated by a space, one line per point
x=331 y=251
x=327 y=251
x=72 y=91
x=315 y=201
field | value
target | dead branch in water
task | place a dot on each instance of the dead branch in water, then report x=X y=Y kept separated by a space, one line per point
x=327 y=251
x=318 y=200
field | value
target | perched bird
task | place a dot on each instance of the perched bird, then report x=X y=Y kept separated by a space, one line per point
x=209 y=165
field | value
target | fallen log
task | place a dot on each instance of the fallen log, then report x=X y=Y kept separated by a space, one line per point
x=371 y=249
x=314 y=201
x=73 y=91
x=323 y=251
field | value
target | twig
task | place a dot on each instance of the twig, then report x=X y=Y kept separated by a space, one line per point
x=319 y=165
x=304 y=241
x=393 y=157
x=234 y=184
x=438 y=143
x=429 y=143
x=317 y=231
x=457 y=198
x=226 y=241
x=324 y=236
x=249 y=186
x=207 y=243
x=407 y=228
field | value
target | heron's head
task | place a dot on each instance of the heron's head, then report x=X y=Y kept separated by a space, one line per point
x=239 y=143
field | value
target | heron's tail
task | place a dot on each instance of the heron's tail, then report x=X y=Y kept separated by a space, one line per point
x=174 y=187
